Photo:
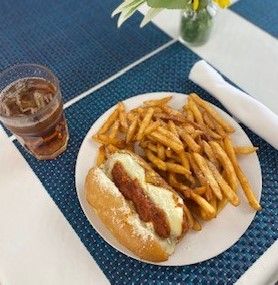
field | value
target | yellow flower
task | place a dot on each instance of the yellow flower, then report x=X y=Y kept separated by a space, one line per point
x=195 y=4
x=222 y=3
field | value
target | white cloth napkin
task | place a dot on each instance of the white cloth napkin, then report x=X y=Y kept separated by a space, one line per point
x=246 y=109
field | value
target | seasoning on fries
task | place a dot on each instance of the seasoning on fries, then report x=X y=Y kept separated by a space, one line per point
x=191 y=148
x=245 y=149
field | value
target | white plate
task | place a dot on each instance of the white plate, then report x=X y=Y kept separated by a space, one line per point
x=217 y=235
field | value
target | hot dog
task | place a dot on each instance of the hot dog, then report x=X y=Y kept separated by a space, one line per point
x=138 y=207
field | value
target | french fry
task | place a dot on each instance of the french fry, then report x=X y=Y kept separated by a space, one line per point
x=208 y=174
x=131 y=130
x=121 y=107
x=140 y=111
x=160 y=164
x=175 y=158
x=176 y=168
x=163 y=124
x=173 y=112
x=208 y=193
x=210 y=154
x=203 y=181
x=241 y=177
x=204 y=215
x=221 y=143
x=123 y=121
x=103 y=139
x=101 y=155
x=114 y=129
x=226 y=189
x=169 y=152
x=184 y=160
x=189 y=115
x=157 y=102
x=200 y=190
x=227 y=127
x=145 y=123
x=188 y=128
x=208 y=132
x=181 y=188
x=212 y=135
x=196 y=225
x=204 y=204
x=151 y=147
x=219 y=130
x=208 y=120
x=189 y=217
x=196 y=134
x=130 y=116
x=199 y=212
x=110 y=149
x=198 y=172
x=227 y=164
x=144 y=143
x=163 y=116
x=195 y=110
x=122 y=116
x=245 y=149
x=165 y=141
x=169 y=134
x=172 y=128
x=109 y=122
x=189 y=141
x=156 y=109
x=160 y=151
x=221 y=204
x=152 y=127
x=172 y=180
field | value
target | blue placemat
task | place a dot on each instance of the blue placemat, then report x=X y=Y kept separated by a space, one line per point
x=78 y=40
x=167 y=71
x=262 y=13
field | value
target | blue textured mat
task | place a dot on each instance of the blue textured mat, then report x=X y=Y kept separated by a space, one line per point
x=167 y=71
x=78 y=40
x=262 y=13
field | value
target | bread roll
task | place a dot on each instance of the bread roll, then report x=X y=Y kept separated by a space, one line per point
x=120 y=214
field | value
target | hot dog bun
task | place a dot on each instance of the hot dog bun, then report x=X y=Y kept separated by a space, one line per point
x=119 y=214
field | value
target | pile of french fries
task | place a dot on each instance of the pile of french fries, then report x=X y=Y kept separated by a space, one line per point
x=191 y=149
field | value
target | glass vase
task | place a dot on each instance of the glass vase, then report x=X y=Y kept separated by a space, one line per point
x=196 y=26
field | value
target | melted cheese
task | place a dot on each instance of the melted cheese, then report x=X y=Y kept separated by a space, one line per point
x=161 y=197
x=133 y=169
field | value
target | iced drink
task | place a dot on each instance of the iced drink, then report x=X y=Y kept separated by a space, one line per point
x=32 y=109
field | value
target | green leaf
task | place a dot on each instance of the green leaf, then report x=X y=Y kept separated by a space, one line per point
x=129 y=11
x=170 y=4
x=150 y=14
x=127 y=4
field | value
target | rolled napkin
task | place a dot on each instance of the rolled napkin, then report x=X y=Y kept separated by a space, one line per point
x=256 y=116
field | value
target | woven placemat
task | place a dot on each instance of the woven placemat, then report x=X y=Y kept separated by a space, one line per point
x=263 y=14
x=166 y=71
x=78 y=40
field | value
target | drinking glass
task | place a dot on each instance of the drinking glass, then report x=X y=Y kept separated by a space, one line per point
x=31 y=108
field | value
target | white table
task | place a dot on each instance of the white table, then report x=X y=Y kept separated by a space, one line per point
x=37 y=244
